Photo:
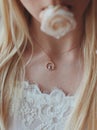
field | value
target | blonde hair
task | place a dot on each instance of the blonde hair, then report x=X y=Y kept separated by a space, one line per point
x=13 y=41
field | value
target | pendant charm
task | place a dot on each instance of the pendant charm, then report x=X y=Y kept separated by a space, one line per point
x=50 y=66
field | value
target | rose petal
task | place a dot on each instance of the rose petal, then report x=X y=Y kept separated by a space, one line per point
x=56 y=21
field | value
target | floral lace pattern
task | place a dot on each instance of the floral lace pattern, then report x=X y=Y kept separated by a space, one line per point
x=42 y=111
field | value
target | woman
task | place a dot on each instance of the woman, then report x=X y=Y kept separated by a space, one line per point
x=63 y=70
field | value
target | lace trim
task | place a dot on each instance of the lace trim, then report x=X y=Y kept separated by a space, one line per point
x=49 y=110
x=25 y=84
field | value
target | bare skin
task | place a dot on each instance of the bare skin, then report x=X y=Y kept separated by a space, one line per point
x=67 y=76
x=69 y=71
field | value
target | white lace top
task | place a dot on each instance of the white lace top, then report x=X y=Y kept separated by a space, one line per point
x=42 y=111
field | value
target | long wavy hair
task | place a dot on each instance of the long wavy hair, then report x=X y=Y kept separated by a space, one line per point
x=13 y=43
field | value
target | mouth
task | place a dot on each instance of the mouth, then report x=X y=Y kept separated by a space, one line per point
x=68 y=6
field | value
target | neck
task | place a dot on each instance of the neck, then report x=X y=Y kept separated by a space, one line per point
x=54 y=46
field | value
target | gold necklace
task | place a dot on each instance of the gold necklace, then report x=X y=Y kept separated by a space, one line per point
x=50 y=65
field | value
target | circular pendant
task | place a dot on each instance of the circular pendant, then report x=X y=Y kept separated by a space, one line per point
x=50 y=66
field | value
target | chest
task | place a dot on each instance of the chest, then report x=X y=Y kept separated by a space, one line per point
x=65 y=76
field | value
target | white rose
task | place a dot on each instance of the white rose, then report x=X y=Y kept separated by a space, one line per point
x=57 y=21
